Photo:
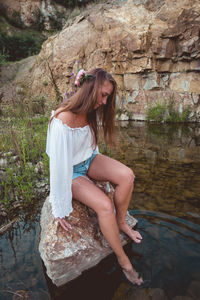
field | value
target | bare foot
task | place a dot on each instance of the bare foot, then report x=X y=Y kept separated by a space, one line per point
x=134 y=235
x=132 y=276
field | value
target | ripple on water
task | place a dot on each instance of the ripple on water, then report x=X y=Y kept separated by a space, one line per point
x=169 y=256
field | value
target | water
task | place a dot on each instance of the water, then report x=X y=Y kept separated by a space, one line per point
x=166 y=162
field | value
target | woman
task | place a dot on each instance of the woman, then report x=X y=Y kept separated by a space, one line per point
x=72 y=147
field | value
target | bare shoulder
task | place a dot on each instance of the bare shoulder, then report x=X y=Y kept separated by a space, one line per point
x=67 y=117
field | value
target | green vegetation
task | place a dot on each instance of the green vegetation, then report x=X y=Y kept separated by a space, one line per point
x=19 y=45
x=16 y=44
x=167 y=132
x=45 y=83
x=167 y=112
x=15 y=20
x=22 y=144
x=73 y=3
x=3 y=57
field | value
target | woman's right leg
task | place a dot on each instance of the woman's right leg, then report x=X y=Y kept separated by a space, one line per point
x=88 y=193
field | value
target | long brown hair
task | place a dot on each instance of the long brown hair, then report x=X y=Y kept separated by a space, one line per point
x=84 y=100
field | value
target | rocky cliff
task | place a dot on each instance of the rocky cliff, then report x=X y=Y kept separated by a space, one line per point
x=151 y=47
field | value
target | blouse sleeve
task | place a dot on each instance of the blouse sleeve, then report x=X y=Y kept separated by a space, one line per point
x=59 y=150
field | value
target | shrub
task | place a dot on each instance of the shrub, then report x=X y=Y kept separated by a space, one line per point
x=26 y=138
x=166 y=112
x=19 y=45
x=3 y=57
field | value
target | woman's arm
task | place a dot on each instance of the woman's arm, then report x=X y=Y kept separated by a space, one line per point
x=60 y=154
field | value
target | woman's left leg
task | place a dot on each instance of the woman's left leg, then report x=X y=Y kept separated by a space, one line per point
x=104 y=168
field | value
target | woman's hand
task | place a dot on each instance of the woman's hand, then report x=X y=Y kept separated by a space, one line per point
x=64 y=224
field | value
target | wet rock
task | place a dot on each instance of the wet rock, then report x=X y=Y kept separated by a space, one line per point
x=36 y=295
x=30 y=282
x=182 y=298
x=157 y=294
x=123 y=117
x=194 y=290
x=21 y=295
x=123 y=124
x=139 y=294
x=67 y=255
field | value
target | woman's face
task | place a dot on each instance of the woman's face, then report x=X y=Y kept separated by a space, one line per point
x=103 y=93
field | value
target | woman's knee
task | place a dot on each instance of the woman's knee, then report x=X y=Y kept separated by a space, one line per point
x=105 y=207
x=126 y=176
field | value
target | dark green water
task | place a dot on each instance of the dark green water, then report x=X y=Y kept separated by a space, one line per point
x=166 y=202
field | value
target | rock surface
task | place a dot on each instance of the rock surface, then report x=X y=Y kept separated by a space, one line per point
x=67 y=255
x=151 y=47
x=129 y=292
x=37 y=13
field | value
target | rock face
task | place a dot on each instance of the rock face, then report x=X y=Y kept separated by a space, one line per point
x=151 y=47
x=67 y=255
x=37 y=13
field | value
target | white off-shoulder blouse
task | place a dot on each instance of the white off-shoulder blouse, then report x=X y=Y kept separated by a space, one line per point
x=65 y=147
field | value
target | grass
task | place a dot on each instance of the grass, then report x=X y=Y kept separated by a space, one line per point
x=167 y=112
x=25 y=137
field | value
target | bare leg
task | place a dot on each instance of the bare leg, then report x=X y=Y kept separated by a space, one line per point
x=87 y=193
x=122 y=204
x=106 y=168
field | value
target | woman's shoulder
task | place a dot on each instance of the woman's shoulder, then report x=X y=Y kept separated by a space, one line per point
x=67 y=117
x=72 y=120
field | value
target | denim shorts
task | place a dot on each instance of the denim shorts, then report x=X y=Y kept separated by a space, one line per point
x=82 y=168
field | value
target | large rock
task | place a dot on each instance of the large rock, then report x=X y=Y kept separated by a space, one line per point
x=38 y=13
x=67 y=254
x=151 y=47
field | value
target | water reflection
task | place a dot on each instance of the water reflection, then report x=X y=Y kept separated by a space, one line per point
x=166 y=162
x=21 y=267
x=167 y=167
x=169 y=258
